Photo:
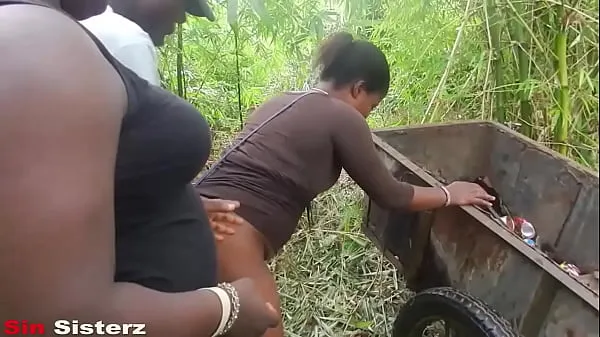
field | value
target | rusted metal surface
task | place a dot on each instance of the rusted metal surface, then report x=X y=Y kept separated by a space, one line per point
x=577 y=228
x=468 y=250
x=569 y=317
x=534 y=183
x=483 y=264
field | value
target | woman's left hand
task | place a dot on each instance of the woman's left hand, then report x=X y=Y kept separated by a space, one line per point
x=222 y=217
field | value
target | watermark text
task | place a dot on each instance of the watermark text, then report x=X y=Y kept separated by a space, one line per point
x=74 y=328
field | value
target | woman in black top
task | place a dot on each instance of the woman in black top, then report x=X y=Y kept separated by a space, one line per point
x=92 y=158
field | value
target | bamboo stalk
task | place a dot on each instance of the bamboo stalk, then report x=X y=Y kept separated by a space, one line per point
x=487 y=94
x=495 y=32
x=180 y=73
x=523 y=66
x=442 y=81
x=545 y=14
x=561 y=130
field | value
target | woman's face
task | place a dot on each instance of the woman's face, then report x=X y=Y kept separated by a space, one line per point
x=83 y=9
x=362 y=100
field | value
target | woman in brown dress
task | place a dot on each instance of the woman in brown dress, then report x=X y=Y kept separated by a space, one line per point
x=279 y=169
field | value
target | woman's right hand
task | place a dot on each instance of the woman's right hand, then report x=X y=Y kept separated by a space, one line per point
x=255 y=315
x=463 y=193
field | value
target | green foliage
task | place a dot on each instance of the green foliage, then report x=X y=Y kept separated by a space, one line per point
x=504 y=65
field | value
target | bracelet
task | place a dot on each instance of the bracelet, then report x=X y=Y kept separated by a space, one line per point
x=225 y=309
x=447 y=193
x=235 y=302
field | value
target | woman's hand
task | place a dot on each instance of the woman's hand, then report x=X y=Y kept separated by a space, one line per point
x=255 y=315
x=464 y=193
x=222 y=217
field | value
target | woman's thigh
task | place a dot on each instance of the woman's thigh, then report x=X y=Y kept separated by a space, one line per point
x=242 y=255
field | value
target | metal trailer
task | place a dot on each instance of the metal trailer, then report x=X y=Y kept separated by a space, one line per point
x=463 y=265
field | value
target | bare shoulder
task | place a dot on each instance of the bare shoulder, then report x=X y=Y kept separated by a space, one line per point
x=61 y=106
x=59 y=97
x=47 y=53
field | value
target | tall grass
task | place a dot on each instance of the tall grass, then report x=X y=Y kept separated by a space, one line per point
x=547 y=58
x=530 y=64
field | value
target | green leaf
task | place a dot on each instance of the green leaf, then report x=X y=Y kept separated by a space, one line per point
x=319 y=27
x=363 y=325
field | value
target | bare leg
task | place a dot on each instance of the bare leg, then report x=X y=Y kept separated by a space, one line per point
x=242 y=255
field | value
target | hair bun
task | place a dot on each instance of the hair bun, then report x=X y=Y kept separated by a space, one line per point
x=341 y=39
x=333 y=47
x=343 y=61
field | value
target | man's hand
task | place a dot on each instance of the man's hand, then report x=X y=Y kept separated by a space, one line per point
x=222 y=217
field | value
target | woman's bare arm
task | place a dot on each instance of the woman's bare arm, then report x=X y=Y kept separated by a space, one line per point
x=354 y=146
x=61 y=105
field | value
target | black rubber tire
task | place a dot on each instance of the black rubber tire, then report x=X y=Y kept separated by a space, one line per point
x=445 y=303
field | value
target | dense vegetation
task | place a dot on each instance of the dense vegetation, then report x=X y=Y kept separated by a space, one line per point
x=530 y=64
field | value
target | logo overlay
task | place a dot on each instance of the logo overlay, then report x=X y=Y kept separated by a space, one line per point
x=65 y=327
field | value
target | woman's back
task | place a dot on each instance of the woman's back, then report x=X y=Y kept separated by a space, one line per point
x=162 y=144
x=286 y=163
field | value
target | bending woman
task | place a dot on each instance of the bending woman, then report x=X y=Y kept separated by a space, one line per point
x=300 y=153
x=98 y=219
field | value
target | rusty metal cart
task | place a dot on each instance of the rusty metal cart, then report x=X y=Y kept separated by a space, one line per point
x=465 y=267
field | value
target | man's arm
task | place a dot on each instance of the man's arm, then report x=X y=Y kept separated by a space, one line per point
x=222 y=216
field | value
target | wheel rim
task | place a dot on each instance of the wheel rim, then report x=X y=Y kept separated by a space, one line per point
x=435 y=326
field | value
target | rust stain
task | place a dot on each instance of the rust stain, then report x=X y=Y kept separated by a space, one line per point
x=473 y=247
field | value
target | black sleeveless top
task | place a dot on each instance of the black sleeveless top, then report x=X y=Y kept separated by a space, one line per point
x=163 y=240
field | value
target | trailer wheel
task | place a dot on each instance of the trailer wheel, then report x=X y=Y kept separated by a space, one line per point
x=447 y=312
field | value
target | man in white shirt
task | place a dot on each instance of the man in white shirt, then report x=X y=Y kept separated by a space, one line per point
x=130 y=30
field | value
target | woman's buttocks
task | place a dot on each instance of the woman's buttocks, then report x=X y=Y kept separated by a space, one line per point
x=275 y=222
x=166 y=243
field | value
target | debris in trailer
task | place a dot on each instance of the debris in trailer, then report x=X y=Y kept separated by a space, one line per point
x=571 y=269
x=522 y=228
x=526 y=231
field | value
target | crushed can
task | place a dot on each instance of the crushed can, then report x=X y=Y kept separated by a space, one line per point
x=524 y=228
x=508 y=222
x=571 y=269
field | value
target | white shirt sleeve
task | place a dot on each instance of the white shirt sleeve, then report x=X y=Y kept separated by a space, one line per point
x=141 y=58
